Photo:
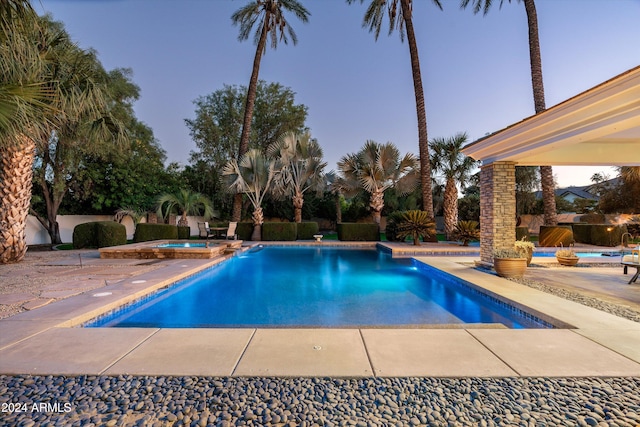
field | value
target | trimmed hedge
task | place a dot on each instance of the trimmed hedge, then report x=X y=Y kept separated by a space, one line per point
x=522 y=232
x=244 y=230
x=582 y=233
x=593 y=218
x=99 y=234
x=279 y=231
x=606 y=234
x=145 y=232
x=184 y=233
x=559 y=235
x=306 y=230
x=357 y=232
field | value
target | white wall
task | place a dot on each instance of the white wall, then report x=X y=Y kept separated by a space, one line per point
x=37 y=234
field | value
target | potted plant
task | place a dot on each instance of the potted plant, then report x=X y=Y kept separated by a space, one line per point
x=525 y=247
x=509 y=262
x=567 y=257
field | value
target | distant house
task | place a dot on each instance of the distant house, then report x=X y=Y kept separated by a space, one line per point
x=586 y=192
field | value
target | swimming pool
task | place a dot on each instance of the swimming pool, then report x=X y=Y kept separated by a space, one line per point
x=312 y=286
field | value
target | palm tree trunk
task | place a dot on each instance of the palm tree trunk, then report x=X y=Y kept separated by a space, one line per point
x=546 y=172
x=450 y=207
x=248 y=112
x=16 y=180
x=423 y=144
x=376 y=204
x=338 y=209
x=298 y=202
x=258 y=219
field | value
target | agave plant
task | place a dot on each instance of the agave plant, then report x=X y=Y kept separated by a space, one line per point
x=467 y=231
x=416 y=224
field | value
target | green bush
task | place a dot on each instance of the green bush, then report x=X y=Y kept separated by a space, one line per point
x=99 y=234
x=84 y=236
x=593 y=218
x=351 y=232
x=306 y=230
x=145 y=232
x=110 y=233
x=279 y=231
x=184 y=232
x=391 y=230
x=582 y=233
x=559 y=235
x=244 y=230
x=522 y=232
x=606 y=235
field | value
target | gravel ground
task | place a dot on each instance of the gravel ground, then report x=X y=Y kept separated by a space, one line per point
x=197 y=401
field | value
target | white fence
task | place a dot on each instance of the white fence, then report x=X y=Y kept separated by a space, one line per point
x=37 y=234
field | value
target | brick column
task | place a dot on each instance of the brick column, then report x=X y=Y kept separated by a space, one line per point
x=497 y=208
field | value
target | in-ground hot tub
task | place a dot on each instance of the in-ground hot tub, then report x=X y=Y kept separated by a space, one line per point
x=171 y=249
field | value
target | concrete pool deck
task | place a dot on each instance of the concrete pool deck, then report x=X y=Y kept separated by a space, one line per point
x=47 y=340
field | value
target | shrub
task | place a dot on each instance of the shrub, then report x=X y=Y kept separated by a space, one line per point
x=466 y=231
x=391 y=230
x=279 y=231
x=555 y=235
x=84 y=236
x=416 y=224
x=508 y=253
x=110 y=233
x=522 y=232
x=99 y=234
x=566 y=253
x=306 y=230
x=593 y=218
x=244 y=230
x=606 y=235
x=352 y=232
x=184 y=232
x=582 y=233
x=145 y=232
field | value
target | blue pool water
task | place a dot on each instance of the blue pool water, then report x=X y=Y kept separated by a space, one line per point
x=307 y=286
x=181 y=245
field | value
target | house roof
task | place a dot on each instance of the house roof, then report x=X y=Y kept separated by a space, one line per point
x=600 y=126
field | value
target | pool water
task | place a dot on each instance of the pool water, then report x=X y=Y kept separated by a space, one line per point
x=307 y=286
x=181 y=245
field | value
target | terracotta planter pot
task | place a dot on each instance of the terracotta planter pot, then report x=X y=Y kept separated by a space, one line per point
x=570 y=261
x=510 y=267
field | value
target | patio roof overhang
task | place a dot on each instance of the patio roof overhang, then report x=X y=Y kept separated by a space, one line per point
x=600 y=126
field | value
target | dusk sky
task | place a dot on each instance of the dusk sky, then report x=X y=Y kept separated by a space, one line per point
x=475 y=68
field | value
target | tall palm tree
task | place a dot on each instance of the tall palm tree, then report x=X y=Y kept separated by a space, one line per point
x=186 y=202
x=253 y=175
x=447 y=159
x=25 y=104
x=302 y=167
x=546 y=172
x=268 y=18
x=376 y=168
x=401 y=18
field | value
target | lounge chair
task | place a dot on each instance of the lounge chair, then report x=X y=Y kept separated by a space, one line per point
x=631 y=261
x=231 y=231
x=204 y=231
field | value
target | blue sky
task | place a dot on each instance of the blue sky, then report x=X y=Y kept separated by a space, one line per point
x=475 y=69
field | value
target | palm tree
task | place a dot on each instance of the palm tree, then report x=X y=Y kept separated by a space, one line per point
x=376 y=168
x=447 y=158
x=25 y=96
x=186 y=202
x=253 y=175
x=401 y=18
x=546 y=172
x=337 y=186
x=302 y=167
x=272 y=24
x=416 y=224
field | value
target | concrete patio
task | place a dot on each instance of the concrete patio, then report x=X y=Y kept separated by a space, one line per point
x=47 y=340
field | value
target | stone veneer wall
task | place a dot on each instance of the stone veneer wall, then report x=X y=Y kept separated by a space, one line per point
x=497 y=208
